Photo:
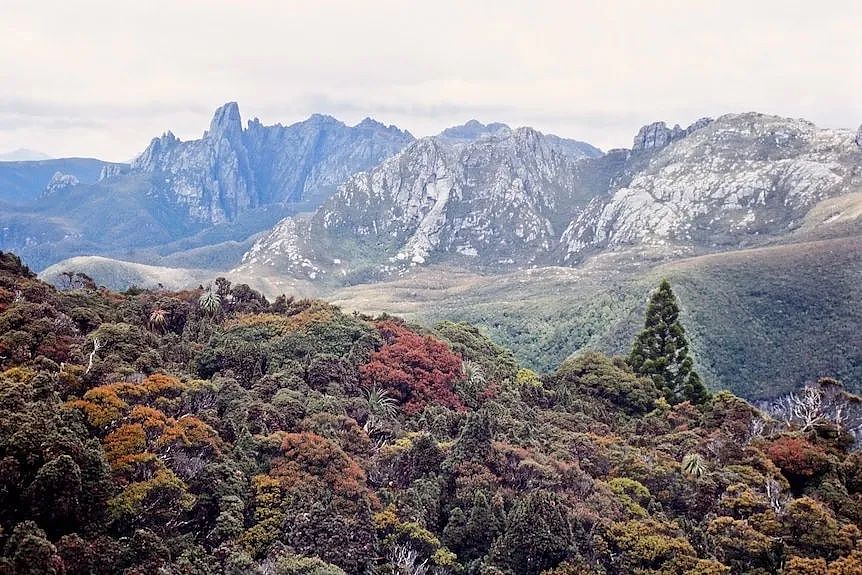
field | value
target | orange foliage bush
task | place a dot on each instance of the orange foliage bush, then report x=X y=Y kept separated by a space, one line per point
x=106 y=404
x=125 y=440
x=308 y=457
x=152 y=420
x=190 y=431
x=101 y=406
x=162 y=385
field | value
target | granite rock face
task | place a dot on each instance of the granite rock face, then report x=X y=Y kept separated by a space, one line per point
x=518 y=199
x=232 y=169
x=657 y=135
x=727 y=183
x=498 y=200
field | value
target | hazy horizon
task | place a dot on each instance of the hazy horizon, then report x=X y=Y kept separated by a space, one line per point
x=98 y=79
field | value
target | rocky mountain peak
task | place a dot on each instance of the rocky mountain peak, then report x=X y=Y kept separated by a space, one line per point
x=322 y=120
x=230 y=170
x=473 y=130
x=369 y=123
x=157 y=148
x=745 y=177
x=657 y=135
x=859 y=137
x=226 y=122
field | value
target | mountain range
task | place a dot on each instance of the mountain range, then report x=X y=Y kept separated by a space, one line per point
x=500 y=226
x=178 y=196
x=227 y=185
x=518 y=199
x=232 y=169
x=23 y=155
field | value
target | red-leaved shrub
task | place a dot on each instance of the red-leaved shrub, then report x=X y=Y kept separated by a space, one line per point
x=420 y=370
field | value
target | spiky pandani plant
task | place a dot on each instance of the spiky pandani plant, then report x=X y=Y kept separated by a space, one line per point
x=694 y=465
x=158 y=319
x=210 y=303
x=381 y=405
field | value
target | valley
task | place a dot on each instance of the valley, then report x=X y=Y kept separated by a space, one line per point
x=549 y=245
x=741 y=310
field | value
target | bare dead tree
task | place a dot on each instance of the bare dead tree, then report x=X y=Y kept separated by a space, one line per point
x=823 y=403
x=756 y=429
x=773 y=494
x=405 y=561
x=808 y=408
x=804 y=409
x=97 y=345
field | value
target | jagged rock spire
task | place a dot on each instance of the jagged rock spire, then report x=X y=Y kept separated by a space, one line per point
x=226 y=122
x=230 y=170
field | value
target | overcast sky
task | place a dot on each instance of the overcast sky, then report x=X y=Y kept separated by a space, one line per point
x=100 y=79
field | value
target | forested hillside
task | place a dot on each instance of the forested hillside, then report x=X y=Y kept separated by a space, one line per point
x=763 y=321
x=212 y=431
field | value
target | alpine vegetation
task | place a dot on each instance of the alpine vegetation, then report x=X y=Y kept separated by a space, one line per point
x=212 y=430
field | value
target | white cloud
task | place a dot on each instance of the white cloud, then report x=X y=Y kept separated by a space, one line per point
x=102 y=78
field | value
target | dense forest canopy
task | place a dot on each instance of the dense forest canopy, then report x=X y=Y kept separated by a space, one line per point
x=212 y=431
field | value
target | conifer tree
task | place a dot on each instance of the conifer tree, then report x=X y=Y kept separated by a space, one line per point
x=660 y=351
x=538 y=535
x=474 y=443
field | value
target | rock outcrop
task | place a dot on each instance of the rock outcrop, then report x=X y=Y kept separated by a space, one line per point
x=60 y=181
x=230 y=170
x=112 y=171
x=657 y=135
x=729 y=183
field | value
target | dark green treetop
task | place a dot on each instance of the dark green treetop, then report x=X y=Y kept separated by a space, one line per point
x=660 y=351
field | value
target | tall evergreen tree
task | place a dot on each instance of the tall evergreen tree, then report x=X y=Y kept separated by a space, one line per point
x=660 y=351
